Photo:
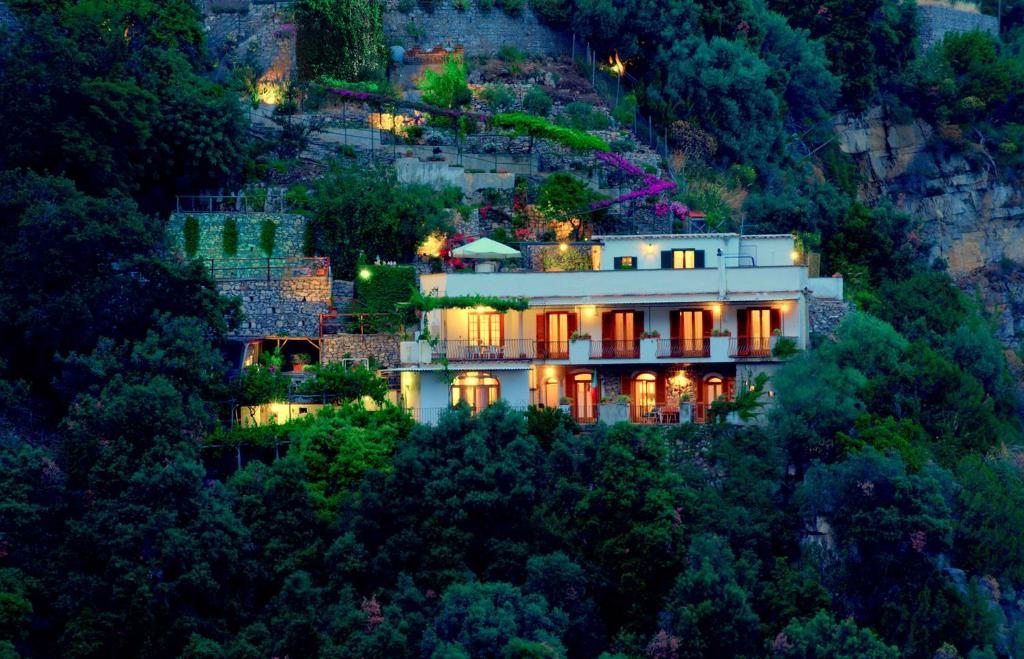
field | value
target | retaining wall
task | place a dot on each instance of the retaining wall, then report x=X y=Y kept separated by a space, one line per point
x=938 y=21
x=381 y=348
x=283 y=307
x=288 y=239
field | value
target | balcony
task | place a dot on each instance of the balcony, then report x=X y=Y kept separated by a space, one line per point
x=455 y=350
x=757 y=347
x=693 y=348
x=615 y=349
x=552 y=350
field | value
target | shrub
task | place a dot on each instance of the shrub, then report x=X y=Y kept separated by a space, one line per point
x=406 y=6
x=581 y=116
x=461 y=5
x=625 y=111
x=625 y=145
x=513 y=8
x=554 y=259
x=511 y=54
x=230 y=237
x=556 y=12
x=191 y=233
x=268 y=236
x=498 y=98
x=447 y=89
x=344 y=382
x=537 y=102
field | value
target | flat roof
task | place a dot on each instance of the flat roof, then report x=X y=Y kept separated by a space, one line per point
x=665 y=236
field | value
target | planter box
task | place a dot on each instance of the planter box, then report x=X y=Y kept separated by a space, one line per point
x=648 y=350
x=426 y=352
x=685 y=412
x=720 y=348
x=409 y=352
x=579 y=351
x=565 y=408
x=612 y=413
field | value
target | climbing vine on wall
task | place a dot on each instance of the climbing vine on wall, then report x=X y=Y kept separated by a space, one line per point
x=341 y=38
x=191 y=235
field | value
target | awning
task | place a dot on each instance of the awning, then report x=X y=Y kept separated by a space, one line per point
x=485 y=248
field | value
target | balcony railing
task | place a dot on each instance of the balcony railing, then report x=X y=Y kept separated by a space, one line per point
x=684 y=347
x=752 y=346
x=465 y=350
x=615 y=349
x=552 y=350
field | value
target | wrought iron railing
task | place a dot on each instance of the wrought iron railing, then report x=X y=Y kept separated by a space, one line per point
x=355 y=323
x=253 y=203
x=552 y=350
x=431 y=415
x=684 y=347
x=615 y=349
x=466 y=350
x=268 y=269
x=752 y=346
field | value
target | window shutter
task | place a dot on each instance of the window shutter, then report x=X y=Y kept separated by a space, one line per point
x=501 y=329
x=607 y=326
x=700 y=390
x=709 y=321
x=617 y=261
x=542 y=327
x=698 y=258
x=776 y=320
x=638 y=323
x=666 y=259
x=659 y=390
x=673 y=324
x=572 y=325
x=730 y=388
x=741 y=322
x=625 y=388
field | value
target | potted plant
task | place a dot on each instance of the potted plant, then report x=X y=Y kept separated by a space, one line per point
x=651 y=334
x=563 y=404
x=685 y=408
x=649 y=345
x=300 y=361
x=614 y=410
x=579 y=347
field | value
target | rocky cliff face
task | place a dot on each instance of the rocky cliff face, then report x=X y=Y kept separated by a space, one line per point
x=973 y=219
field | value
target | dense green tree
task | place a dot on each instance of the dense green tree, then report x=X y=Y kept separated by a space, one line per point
x=343 y=39
x=356 y=210
x=990 y=518
x=822 y=636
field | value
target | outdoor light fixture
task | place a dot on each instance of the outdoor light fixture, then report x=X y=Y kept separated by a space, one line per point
x=717 y=309
x=795 y=256
x=365 y=274
x=588 y=311
x=649 y=247
x=562 y=247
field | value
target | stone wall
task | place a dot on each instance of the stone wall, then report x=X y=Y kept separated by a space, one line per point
x=255 y=32
x=440 y=174
x=937 y=21
x=283 y=307
x=824 y=315
x=477 y=32
x=288 y=239
x=379 y=348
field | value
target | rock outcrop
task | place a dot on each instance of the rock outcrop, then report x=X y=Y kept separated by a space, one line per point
x=973 y=219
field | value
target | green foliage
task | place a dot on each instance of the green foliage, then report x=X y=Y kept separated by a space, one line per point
x=513 y=8
x=822 y=636
x=339 y=444
x=625 y=111
x=498 y=97
x=746 y=403
x=268 y=236
x=556 y=12
x=338 y=381
x=340 y=38
x=422 y=302
x=447 y=89
x=566 y=198
x=357 y=210
x=262 y=383
x=384 y=292
x=190 y=233
x=990 y=518
x=784 y=348
x=229 y=238
x=133 y=112
x=537 y=102
x=536 y=127
x=582 y=116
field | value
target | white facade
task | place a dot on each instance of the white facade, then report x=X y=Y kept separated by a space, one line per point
x=665 y=319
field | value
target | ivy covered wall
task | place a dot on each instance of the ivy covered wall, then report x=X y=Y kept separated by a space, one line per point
x=287 y=238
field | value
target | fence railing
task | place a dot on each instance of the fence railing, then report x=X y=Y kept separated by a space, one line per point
x=356 y=323
x=684 y=347
x=431 y=415
x=204 y=203
x=552 y=350
x=615 y=349
x=268 y=269
x=752 y=346
x=465 y=350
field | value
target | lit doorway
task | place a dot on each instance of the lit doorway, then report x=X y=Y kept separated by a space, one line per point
x=582 y=405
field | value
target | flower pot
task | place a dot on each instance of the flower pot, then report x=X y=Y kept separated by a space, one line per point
x=612 y=413
x=565 y=408
x=298 y=368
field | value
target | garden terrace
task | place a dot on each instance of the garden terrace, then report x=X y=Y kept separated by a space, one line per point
x=267 y=269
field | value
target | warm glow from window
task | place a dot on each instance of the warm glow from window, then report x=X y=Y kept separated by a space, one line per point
x=683 y=259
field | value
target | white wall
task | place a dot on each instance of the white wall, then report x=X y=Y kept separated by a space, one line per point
x=766 y=250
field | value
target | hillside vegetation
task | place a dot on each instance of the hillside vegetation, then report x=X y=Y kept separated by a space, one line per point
x=877 y=512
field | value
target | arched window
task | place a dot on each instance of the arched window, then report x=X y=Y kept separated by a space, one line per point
x=714 y=387
x=645 y=395
x=478 y=390
x=582 y=403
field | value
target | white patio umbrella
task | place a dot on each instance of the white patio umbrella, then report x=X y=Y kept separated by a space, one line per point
x=486 y=249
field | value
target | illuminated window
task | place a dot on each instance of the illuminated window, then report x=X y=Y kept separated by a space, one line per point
x=683 y=259
x=625 y=263
x=485 y=329
x=478 y=390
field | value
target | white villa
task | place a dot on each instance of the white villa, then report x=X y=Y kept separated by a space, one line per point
x=673 y=322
